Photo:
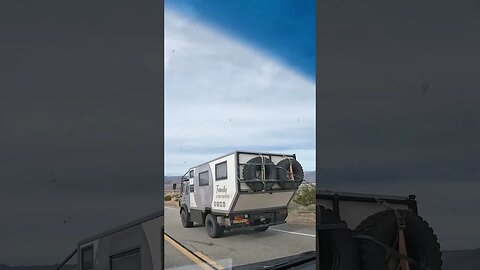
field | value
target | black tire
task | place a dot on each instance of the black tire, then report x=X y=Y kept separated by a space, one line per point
x=213 y=229
x=283 y=173
x=261 y=228
x=337 y=249
x=185 y=216
x=251 y=172
x=422 y=244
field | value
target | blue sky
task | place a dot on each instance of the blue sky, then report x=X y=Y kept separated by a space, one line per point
x=283 y=29
x=238 y=77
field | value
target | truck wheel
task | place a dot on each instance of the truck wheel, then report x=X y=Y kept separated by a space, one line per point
x=252 y=171
x=421 y=242
x=337 y=249
x=283 y=173
x=261 y=229
x=186 y=222
x=213 y=229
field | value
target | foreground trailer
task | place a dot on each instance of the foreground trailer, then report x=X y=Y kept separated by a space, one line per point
x=137 y=245
x=238 y=190
x=373 y=232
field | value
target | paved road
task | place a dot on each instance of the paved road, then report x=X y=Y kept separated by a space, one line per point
x=235 y=248
x=175 y=260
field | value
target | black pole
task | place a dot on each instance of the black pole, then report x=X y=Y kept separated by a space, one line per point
x=67 y=259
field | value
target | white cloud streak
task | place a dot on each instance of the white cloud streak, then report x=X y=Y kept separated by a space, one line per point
x=222 y=96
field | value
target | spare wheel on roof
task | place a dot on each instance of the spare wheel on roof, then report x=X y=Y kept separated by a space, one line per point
x=252 y=173
x=421 y=242
x=288 y=180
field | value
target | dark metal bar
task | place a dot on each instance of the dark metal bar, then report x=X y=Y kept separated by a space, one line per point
x=363 y=199
x=67 y=259
x=162 y=243
x=413 y=204
x=336 y=204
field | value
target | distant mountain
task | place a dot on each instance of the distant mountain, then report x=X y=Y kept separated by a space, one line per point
x=310 y=176
x=36 y=267
x=169 y=180
x=461 y=259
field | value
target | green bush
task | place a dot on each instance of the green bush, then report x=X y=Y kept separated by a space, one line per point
x=168 y=197
x=305 y=195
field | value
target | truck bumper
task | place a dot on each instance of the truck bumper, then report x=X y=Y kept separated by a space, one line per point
x=256 y=219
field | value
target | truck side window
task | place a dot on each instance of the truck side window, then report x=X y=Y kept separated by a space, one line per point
x=191 y=188
x=203 y=178
x=191 y=174
x=221 y=171
x=87 y=258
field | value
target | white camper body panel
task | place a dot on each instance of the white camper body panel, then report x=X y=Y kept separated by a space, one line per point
x=265 y=200
x=224 y=191
x=218 y=195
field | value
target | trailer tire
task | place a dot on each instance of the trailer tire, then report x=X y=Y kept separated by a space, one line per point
x=283 y=167
x=422 y=243
x=337 y=249
x=250 y=172
x=213 y=229
x=185 y=216
x=261 y=228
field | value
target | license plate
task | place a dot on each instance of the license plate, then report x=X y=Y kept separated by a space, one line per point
x=240 y=220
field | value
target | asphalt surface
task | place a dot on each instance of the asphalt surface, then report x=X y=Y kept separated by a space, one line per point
x=235 y=248
x=174 y=259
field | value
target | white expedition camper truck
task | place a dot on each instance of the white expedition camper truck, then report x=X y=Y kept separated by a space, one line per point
x=238 y=190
